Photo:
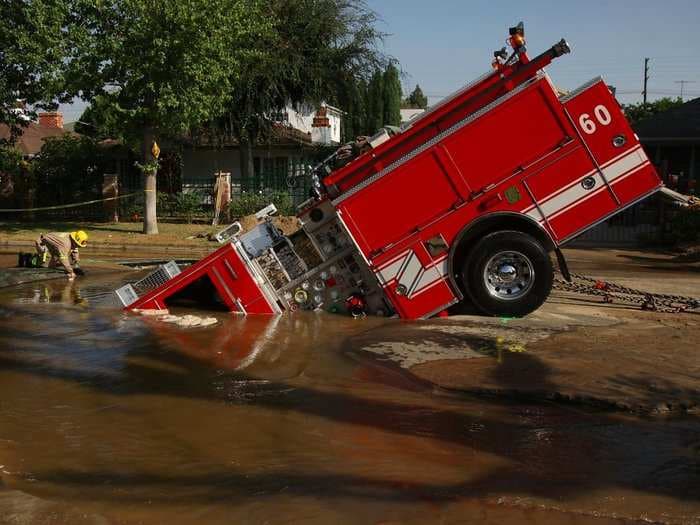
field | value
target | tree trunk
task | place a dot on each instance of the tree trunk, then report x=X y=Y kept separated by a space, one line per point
x=150 y=216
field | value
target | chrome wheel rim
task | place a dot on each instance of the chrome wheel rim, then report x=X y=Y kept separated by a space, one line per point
x=509 y=275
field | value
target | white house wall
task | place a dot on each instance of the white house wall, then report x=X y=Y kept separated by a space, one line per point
x=303 y=119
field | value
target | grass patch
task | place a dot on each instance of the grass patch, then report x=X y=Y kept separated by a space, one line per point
x=122 y=233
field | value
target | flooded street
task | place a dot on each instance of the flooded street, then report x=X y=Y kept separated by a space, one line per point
x=113 y=418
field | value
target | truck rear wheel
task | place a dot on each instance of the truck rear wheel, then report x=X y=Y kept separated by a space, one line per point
x=508 y=273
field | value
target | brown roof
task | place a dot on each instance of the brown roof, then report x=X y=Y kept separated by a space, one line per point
x=32 y=138
x=280 y=135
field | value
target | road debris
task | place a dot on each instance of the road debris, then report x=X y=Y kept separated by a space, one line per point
x=183 y=321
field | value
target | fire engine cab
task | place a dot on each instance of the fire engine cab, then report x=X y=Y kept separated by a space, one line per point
x=467 y=202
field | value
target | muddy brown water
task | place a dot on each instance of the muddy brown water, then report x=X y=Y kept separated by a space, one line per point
x=112 y=418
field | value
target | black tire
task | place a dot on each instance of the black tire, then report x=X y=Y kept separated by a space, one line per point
x=517 y=256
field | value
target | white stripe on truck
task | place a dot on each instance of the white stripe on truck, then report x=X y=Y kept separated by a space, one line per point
x=614 y=170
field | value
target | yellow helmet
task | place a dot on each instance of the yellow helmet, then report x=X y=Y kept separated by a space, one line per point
x=80 y=238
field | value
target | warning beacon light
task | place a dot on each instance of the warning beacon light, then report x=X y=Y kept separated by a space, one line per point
x=517 y=37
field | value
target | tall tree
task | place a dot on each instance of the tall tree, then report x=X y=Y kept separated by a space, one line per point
x=416 y=99
x=375 y=102
x=313 y=50
x=102 y=119
x=363 y=114
x=33 y=50
x=392 y=96
x=348 y=125
x=353 y=100
x=69 y=168
x=359 y=112
x=163 y=66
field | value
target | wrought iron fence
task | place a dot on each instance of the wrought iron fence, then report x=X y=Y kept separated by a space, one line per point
x=274 y=184
x=294 y=182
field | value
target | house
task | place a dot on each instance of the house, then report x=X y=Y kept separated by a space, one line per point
x=33 y=135
x=323 y=124
x=284 y=153
x=295 y=134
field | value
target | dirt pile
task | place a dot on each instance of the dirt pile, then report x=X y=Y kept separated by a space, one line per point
x=287 y=223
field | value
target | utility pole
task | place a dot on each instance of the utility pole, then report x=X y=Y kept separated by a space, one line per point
x=646 y=78
x=683 y=83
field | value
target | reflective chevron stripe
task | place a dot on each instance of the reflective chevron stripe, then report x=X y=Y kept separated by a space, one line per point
x=406 y=270
x=433 y=275
x=410 y=273
x=389 y=271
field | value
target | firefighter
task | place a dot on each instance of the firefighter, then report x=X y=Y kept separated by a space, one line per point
x=62 y=248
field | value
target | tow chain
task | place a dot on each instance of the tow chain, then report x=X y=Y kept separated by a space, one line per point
x=612 y=292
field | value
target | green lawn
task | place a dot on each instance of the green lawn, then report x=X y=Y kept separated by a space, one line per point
x=123 y=233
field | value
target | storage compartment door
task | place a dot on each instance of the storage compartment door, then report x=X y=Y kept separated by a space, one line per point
x=400 y=202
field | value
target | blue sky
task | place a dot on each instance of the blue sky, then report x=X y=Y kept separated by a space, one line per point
x=443 y=44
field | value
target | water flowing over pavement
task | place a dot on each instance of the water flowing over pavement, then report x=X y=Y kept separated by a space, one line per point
x=113 y=418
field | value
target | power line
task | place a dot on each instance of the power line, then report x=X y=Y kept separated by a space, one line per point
x=679 y=57
x=683 y=83
x=667 y=92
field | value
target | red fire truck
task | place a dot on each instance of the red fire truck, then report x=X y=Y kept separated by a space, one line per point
x=468 y=202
